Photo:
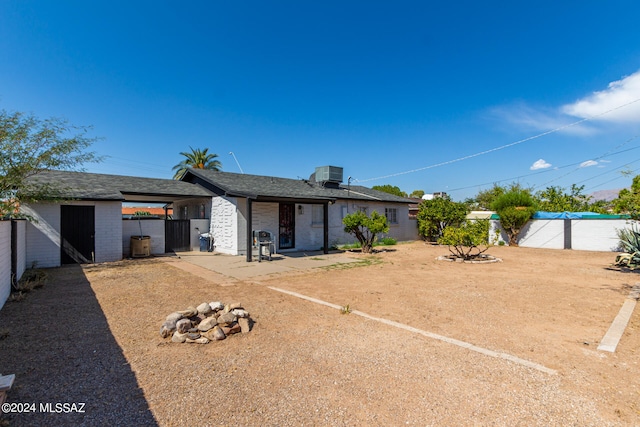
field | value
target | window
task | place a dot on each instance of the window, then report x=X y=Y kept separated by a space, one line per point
x=392 y=215
x=317 y=214
x=345 y=210
x=184 y=212
x=201 y=211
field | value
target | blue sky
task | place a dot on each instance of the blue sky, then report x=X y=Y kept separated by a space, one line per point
x=438 y=96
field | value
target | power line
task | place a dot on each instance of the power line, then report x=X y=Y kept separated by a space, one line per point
x=595 y=158
x=459 y=159
x=516 y=178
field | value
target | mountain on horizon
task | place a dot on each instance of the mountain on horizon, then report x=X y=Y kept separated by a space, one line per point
x=606 y=195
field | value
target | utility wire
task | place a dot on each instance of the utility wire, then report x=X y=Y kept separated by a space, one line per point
x=459 y=159
x=595 y=158
x=516 y=178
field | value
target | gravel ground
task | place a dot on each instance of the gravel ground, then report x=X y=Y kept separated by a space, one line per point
x=91 y=335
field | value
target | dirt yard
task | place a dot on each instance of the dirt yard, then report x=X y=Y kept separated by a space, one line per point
x=527 y=332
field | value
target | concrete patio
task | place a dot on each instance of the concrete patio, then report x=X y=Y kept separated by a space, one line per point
x=238 y=268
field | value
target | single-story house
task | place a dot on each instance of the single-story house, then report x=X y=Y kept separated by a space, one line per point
x=84 y=223
x=302 y=214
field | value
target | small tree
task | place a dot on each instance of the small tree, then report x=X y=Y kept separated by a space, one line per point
x=29 y=146
x=436 y=214
x=468 y=240
x=555 y=199
x=515 y=209
x=365 y=228
x=391 y=189
x=628 y=200
x=485 y=198
x=417 y=194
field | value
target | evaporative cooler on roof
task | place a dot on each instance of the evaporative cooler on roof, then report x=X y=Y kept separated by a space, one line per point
x=329 y=174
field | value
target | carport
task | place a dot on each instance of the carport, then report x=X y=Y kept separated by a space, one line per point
x=82 y=221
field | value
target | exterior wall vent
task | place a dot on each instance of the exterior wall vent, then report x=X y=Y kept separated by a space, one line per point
x=329 y=174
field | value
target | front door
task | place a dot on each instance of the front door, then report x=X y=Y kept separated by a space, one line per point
x=287 y=235
x=77 y=229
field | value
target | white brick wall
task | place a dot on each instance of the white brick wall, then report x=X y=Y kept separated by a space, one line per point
x=21 y=247
x=194 y=208
x=150 y=227
x=404 y=230
x=224 y=224
x=5 y=261
x=204 y=226
x=43 y=235
x=596 y=234
x=543 y=233
x=266 y=217
x=586 y=234
x=241 y=226
x=108 y=231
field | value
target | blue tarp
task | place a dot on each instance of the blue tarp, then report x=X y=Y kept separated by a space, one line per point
x=568 y=215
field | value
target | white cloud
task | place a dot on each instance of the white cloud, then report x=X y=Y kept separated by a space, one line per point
x=616 y=97
x=540 y=164
x=588 y=163
x=538 y=119
x=618 y=103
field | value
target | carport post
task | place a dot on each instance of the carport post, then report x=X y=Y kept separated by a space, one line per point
x=249 y=231
x=325 y=225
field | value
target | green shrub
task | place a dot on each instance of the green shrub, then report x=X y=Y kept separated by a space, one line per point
x=365 y=228
x=467 y=240
x=436 y=214
x=515 y=209
x=388 y=241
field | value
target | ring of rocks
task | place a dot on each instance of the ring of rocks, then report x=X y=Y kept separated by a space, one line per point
x=482 y=259
x=208 y=322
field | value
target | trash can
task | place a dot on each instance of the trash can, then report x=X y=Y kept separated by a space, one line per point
x=140 y=246
x=204 y=242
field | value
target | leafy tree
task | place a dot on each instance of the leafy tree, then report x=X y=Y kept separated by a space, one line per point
x=437 y=214
x=365 y=228
x=30 y=145
x=197 y=159
x=142 y=213
x=468 y=240
x=391 y=189
x=485 y=198
x=554 y=199
x=515 y=209
x=628 y=201
x=417 y=194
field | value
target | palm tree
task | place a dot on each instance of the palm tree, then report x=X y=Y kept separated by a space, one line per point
x=197 y=159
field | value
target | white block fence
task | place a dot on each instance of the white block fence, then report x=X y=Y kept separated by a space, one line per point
x=588 y=234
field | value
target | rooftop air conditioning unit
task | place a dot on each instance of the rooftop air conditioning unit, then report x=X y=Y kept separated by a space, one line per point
x=329 y=174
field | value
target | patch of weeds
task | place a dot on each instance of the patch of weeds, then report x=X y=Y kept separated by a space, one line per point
x=345 y=309
x=355 y=245
x=315 y=258
x=17 y=296
x=31 y=279
x=387 y=241
x=347 y=265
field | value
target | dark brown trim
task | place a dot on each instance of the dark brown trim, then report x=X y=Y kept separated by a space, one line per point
x=249 y=231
